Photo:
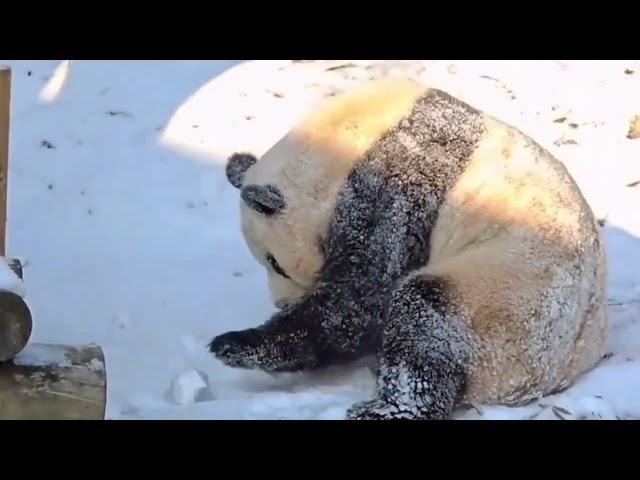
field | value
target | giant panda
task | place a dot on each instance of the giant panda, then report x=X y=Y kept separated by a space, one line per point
x=395 y=220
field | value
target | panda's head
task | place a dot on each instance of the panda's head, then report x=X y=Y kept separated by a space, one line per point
x=290 y=193
x=283 y=218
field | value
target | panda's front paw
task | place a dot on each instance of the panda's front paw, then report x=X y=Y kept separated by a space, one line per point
x=369 y=410
x=264 y=349
x=377 y=409
x=238 y=349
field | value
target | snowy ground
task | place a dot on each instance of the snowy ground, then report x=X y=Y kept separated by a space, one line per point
x=119 y=206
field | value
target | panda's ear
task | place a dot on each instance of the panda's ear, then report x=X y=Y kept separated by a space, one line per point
x=237 y=167
x=265 y=199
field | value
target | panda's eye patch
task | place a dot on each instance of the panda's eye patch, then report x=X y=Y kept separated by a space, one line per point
x=276 y=266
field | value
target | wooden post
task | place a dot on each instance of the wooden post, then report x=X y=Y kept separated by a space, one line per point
x=5 y=140
x=5 y=112
x=37 y=381
x=15 y=318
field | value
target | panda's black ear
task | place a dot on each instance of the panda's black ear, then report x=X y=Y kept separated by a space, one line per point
x=265 y=199
x=237 y=166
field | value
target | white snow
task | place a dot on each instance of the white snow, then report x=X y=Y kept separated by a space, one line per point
x=189 y=387
x=42 y=355
x=130 y=233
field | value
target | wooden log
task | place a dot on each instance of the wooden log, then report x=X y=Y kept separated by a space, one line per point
x=5 y=112
x=16 y=325
x=54 y=382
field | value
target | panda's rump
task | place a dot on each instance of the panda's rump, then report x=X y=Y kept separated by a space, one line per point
x=524 y=317
x=517 y=240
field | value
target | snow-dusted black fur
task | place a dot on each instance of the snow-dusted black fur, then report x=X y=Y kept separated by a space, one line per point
x=264 y=199
x=423 y=357
x=237 y=166
x=365 y=301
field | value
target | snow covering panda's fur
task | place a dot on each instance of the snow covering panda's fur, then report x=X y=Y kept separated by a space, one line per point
x=396 y=220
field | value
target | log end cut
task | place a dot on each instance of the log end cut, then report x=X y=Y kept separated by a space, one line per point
x=15 y=325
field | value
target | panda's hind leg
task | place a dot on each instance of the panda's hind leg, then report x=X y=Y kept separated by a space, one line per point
x=424 y=355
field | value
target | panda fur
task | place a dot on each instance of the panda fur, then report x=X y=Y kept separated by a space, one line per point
x=398 y=221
